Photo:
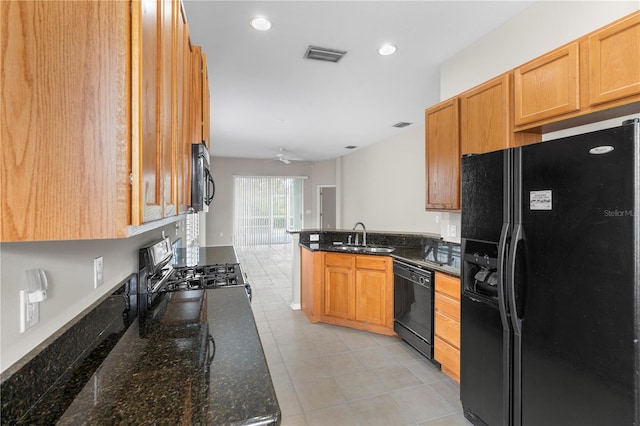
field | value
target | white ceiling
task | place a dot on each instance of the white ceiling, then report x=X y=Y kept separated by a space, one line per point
x=265 y=96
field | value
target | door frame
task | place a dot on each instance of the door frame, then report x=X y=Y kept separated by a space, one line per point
x=319 y=204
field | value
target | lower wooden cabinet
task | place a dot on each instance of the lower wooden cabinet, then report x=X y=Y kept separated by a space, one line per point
x=373 y=291
x=346 y=289
x=447 y=324
x=339 y=291
x=311 y=268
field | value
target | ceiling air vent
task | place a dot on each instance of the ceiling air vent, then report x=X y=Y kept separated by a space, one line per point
x=402 y=124
x=323 y=54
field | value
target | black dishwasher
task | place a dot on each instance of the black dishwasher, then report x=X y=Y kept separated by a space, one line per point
x=413 y=306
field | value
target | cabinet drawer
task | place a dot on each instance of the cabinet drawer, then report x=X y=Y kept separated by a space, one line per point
x=371 y=262
x=448 y=356
x=447 y=329
x=335 y=259
x=448 y=306
x=448 y=285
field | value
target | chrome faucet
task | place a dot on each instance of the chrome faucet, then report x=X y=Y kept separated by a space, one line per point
x=364 y=233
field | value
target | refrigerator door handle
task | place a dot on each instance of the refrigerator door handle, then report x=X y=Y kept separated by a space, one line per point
x=516 y=319
x=502 y=257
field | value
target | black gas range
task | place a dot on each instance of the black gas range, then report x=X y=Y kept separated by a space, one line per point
x=163 y=269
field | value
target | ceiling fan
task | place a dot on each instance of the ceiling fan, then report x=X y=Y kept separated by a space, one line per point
x=286 y=157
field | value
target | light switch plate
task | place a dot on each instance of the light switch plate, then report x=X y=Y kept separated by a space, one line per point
x=452 y=231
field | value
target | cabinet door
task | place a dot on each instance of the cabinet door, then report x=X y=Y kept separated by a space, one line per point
x=65 y=112
x=178 y=105
x=206 y=136
x=167 y=59
x=547 y=86
x=443 y=156
x=371 y=286
x=614 y=61
x=196 y=91
x=311 y=283
x=339 y=292
x=187 y=140
x=146 y=145
x=484 y=117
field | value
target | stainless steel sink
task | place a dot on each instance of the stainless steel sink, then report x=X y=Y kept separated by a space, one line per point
x=378 y=249
x=364 y=249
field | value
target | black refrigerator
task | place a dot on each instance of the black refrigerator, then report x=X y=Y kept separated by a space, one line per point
x=550 y=306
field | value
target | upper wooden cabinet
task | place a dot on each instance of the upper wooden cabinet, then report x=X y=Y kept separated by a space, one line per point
x=196 y=88
x=484 y=117
x=206 y=130
x=548 y=86
x=181 y=184
x=146 y=54
x=65 y=120
x=614 y=61
x=442 y=150
x=593 y=78
x=91 y=136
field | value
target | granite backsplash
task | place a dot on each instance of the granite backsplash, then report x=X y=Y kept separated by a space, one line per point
x=40 y=387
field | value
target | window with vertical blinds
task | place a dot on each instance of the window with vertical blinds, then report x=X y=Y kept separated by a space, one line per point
x=265 y=208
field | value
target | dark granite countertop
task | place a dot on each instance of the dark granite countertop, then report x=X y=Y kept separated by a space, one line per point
x=196 y=358
x=412 y=255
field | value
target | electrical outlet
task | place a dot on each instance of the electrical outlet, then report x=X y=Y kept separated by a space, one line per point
x=29 y=312
x=98 y=276
x=314 y=237
x=452 y=231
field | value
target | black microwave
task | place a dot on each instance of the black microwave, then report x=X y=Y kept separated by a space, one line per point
x=202 y=186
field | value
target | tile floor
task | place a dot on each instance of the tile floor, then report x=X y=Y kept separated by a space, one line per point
x=330 y=375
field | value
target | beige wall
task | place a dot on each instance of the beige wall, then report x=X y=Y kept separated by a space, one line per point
x=383 y=185
x=219 y=221
x=69 y=269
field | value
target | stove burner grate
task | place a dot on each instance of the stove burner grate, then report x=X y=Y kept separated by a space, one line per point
x=199 y=277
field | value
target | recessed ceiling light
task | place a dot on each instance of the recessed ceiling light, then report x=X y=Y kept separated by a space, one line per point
x=387 y=49
x=260 y=23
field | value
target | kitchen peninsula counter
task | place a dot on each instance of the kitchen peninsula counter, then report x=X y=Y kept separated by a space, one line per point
x=413 y=255
x=196 y=358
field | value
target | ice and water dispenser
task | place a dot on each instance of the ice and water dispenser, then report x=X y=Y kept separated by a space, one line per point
x=480 y=263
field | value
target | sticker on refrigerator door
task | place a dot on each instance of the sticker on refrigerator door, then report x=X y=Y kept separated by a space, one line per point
x=540 y=200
